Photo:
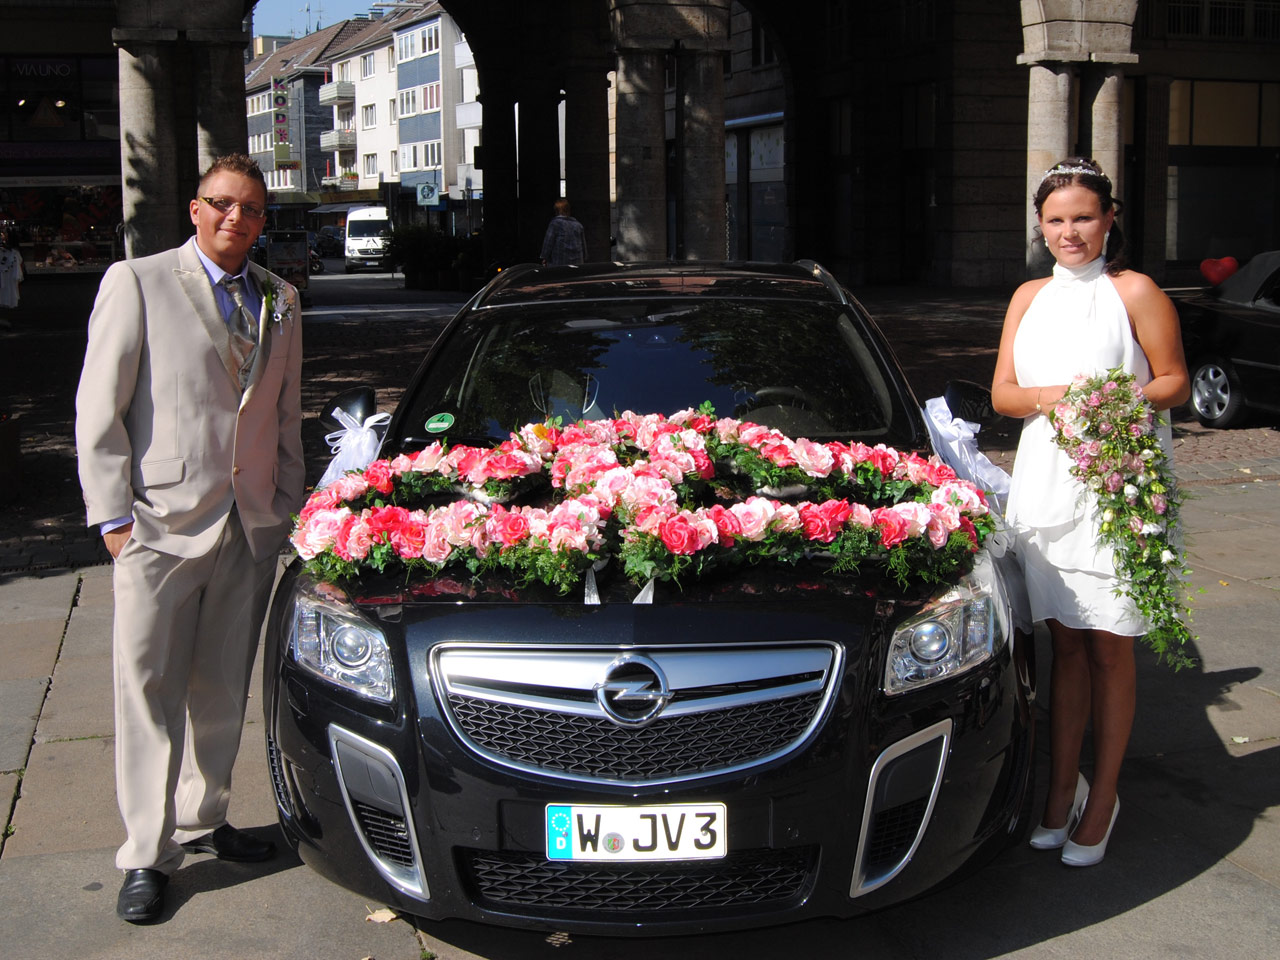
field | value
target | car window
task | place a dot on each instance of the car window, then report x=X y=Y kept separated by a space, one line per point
x=807 y=369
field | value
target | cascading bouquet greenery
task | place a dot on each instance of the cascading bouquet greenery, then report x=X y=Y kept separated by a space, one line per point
x=1107 y=427
x=667 y=497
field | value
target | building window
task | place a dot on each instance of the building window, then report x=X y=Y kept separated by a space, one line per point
x=408 y=103
x=431 y=97
x=431 y=151
x=370 y=164
x=391 y=110
x=431 y=38
x=409 y=156
x=395 y=161
x=344 y=71
x=366 y=66
x=762 y=49
x=1223 y=19
x=406 y=47
x=391 y=59
x=368 y=116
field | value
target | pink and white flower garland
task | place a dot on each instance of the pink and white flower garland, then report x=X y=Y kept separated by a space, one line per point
x=628 y=489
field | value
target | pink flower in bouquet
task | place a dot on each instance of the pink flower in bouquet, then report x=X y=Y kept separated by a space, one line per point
x=968 y=529
x=728 y=527
x=465 y=459
x=428 y=459
x=1110 y=386
x=318 y=533
x=841 y=457
x=962 y=494
x=436 y=547
x=938 y=472
x=410 y=537
x=567 y=533
x=601 y=431
x=786 y=519
x=382 y=521
x=703 y=465
x=506 y=527
x=611 y=484
x=944 y=520
x=1092 y=447
x=1095 y=399
x=914 y=467
x=753 y=515
x=1105 y=427
x=647 y=429
x=884 y=458
x=401 y=465
x=326 y=498
x=823 y=521
x=1159 y=503
x=459 y=519
x=1135 y=523
x=354 y=539
x=505 y=466
x=647 y=492
x=682 y=459
x=684 y=534
x=1113 y=482
x=753 y=435
x=778 y=452
x=861 y=515
x=649 y=519
x=813 y=458
x=727 y=430
x=917 y=516
x=892 y=526
x=539 y=439
x=573 y=435
x=1138 y=429
x=378 y=476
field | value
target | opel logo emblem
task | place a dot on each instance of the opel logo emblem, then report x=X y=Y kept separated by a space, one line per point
x=634 y=691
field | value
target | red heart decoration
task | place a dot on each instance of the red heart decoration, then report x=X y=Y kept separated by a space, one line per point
x=1215 y=271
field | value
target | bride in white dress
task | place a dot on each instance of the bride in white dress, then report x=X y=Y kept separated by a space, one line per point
x=1092 y=315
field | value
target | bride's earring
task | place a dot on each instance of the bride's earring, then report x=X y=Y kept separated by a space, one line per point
x=1106 y=238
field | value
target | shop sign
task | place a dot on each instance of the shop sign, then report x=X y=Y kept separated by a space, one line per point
x=280 y=116
x=288 y=164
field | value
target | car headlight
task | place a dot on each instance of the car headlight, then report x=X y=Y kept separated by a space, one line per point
x=332 y=640
x=959 y=629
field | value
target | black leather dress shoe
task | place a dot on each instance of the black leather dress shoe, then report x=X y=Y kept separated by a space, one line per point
x=228 y=843
x=141 y=897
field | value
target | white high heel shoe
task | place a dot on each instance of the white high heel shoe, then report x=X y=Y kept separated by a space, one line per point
x=1044 y=838
x=1077 y=855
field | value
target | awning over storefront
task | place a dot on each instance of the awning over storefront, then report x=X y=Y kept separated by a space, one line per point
x=338 y=207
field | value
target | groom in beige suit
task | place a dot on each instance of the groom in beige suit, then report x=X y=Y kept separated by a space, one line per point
x=187 y=431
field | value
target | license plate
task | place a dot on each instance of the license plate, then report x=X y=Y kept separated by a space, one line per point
x=673 y=831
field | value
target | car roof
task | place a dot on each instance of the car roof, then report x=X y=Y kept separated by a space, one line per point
x=531 y=283
x=1250 y=281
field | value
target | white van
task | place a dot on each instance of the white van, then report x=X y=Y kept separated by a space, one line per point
x=367 y=229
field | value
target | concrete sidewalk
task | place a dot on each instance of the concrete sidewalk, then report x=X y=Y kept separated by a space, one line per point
x=1193 y=870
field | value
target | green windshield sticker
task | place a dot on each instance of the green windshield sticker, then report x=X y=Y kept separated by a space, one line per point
x=440 y=423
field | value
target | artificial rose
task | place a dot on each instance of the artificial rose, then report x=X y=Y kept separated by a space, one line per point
x=378 y=476
x=891 y=525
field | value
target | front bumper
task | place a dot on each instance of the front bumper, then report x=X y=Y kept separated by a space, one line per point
x=885 y=799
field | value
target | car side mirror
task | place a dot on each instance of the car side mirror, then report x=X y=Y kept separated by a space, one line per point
x=971 y=401
x=360 y=403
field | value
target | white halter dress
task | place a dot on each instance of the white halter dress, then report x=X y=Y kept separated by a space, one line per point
x=1077 y=323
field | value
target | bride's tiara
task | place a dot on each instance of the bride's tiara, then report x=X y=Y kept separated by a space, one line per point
x=1068 y=171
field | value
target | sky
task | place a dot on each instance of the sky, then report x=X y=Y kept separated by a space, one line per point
x=298 y=17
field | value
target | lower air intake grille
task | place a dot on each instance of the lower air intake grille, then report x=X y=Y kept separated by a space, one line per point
x=670 y=747
x=386 y=833
x=746 y=880
x=893 y=830
x=275 y=764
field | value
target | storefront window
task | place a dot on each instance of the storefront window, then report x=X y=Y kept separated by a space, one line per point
x=64 y=228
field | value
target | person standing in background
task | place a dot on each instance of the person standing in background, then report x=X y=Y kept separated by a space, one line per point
x=565 y=242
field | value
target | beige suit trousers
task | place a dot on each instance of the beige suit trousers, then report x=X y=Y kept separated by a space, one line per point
x=185 y=634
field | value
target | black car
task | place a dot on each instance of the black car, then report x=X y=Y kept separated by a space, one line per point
x=1231 y=334
x=743 y=745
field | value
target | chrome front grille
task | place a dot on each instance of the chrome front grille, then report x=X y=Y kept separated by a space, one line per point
x=683 y=713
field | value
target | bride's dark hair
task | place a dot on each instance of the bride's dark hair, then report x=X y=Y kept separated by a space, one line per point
x=1087 y=173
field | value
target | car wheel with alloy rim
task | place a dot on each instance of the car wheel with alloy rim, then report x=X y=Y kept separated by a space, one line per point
x=1216 y=397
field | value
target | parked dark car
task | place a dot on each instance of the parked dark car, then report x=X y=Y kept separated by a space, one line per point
x=1231 y=334
x=759 y=745
x=329 y=241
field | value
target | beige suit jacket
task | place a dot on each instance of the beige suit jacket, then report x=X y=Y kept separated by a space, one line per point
x=164 y=432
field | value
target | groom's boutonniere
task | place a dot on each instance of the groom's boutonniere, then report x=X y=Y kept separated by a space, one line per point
x=279 y=302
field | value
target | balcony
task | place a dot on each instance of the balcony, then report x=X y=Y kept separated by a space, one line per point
x=337 y=139
x=339 y=91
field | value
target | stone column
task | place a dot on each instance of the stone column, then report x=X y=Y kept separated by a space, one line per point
x=153 y=210
x=539 y=159
x=586 y=155
x=641 y=156
x=1048 y=141
x=1105 y=122
x=498 y=161
x=1152 y=136
x=700 y=152
x=218 y=61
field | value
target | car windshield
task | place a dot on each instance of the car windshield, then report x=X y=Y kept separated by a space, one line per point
x=807 y=369
x=366 y=228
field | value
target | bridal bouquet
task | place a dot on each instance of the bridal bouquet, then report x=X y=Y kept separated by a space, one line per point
x=1107 y=427
x=664 y=497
